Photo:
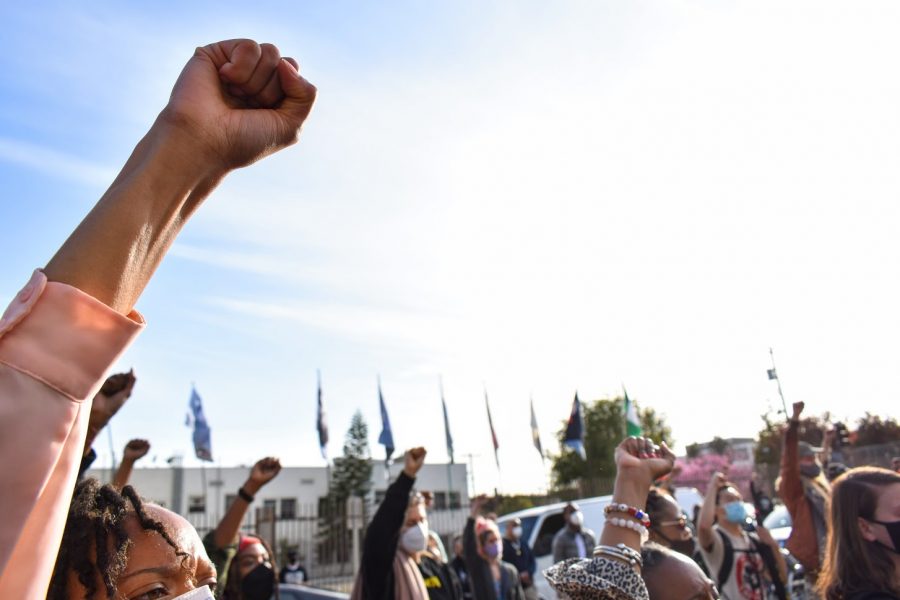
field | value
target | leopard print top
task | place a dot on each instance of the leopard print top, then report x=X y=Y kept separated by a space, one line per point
x=598 y=578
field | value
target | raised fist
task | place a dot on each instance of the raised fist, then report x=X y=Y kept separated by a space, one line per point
x=264 y=471
x=238 y=101
x=136 y=449
x=413 y=461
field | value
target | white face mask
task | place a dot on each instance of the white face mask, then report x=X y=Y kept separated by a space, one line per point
x=201 y=593
x=517 y=532
x=576 y=518
x=415 y=538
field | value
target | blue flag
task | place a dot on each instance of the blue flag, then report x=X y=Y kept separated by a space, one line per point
x=447 y=428
x=386 y=437
x=202 y=434
x=321 y=425
x=575 y=429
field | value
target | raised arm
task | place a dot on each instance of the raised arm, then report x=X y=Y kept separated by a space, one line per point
x=133 y=452
x=705 y=533
x=264 y=471
x=235 y=102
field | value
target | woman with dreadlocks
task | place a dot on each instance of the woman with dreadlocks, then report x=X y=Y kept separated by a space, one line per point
x=234 y=103
x=116 y=546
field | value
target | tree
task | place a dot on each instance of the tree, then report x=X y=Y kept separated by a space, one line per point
x=350 y=476
x=604 y=423
x=769 y=439
x=873 y=430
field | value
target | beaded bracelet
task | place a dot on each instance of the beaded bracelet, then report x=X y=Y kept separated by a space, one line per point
x=635 y=512
x=641 y=529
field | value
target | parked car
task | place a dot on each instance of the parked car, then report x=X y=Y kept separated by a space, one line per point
x=540 y=524
x=778 y=522
x=289 y=591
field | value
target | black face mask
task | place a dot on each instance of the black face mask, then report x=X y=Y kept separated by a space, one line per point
x=258 y=584
x=686 y=547
x=893 y=529
x=811 y=471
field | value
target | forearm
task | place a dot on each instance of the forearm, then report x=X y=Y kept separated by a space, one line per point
x=707 y=517
x=113 y=253
x=227 y=530
x=123 y=473
x=633 y=493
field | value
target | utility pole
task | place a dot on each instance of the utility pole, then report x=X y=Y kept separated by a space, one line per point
x=773 y=374
x=470 y=457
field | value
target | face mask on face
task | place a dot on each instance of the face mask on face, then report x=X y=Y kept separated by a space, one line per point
x=202 y=593
x=735 y=512
x=576 y=518
x=259 y=583
x=893 y=529
x=493 y=549
x=415 y=538
x=517 y=532
x=683 y=543
x=811 y=471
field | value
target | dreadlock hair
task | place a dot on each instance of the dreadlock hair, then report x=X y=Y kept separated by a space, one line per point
x=95 y=541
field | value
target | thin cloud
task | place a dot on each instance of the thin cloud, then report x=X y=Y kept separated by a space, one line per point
x=54 y=163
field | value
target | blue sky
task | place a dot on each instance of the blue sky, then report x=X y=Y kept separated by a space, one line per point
x=531 y=197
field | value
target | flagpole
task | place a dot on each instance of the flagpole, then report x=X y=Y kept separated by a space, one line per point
x=778 y=382
x=112 y=452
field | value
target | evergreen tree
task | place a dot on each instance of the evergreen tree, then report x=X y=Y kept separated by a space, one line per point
x=350 y=476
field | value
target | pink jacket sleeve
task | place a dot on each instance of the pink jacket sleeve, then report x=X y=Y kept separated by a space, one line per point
x=56 y=344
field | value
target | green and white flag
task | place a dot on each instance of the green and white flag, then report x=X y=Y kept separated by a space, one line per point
x=632 y=421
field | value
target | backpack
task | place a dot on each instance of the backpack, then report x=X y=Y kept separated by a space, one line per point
x=758 y=547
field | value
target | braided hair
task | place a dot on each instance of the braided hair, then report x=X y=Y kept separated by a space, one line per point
x=95 y=541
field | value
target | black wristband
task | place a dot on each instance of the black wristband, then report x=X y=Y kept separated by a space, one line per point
x=244 y=495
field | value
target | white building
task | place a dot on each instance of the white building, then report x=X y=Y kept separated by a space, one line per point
x=292 y=499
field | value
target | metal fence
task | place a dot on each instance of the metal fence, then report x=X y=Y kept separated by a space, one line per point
x=323 y=536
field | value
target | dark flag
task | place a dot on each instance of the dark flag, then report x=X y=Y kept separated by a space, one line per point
x=575 y=429
x=493 y=433
x=772 y=374
x=202 y=433
x=449 y=438
x=321 y=425
x=386 y=437
x=535 y=433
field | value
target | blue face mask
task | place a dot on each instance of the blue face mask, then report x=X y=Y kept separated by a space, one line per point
x=736 y=512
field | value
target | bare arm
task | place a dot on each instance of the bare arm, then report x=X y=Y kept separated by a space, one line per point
x=204 y=132
x=264 y=471
x=638 y=463
x=134 y=451
x=705 y=533
x=766 y=538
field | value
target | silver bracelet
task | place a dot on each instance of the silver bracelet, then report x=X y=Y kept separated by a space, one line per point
x=622 y=553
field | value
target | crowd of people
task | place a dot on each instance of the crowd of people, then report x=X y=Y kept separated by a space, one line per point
x=65 y=537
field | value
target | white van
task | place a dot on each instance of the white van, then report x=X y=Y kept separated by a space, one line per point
x=541 y=523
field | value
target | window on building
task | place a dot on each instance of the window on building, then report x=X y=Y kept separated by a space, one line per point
x=455 y=500
x=229 y=500
x=196 y=504
x=440 y=501
x=288 y=508
x=379 y=496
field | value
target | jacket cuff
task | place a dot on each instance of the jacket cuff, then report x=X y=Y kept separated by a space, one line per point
x=65 y=338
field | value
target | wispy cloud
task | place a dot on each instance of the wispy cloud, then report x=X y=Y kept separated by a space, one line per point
x=54 y=163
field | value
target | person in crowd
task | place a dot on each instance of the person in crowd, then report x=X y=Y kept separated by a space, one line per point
x=293 y=570
x=668 y=524
x=134 y=451
x=574 y=540
x=862 y=557
x=106 y=403
x=804 y=491
x=115 y=545
x=491 y=578
x=835 y=470
x=613 y=572
x=517 y=552
x=244 y=563
x=670 y=575
x=395 y=562
x=895 y=463
x=743 y=564
x=435 y=543
x=762 y=501
x=234 y=103
x=458 y=564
